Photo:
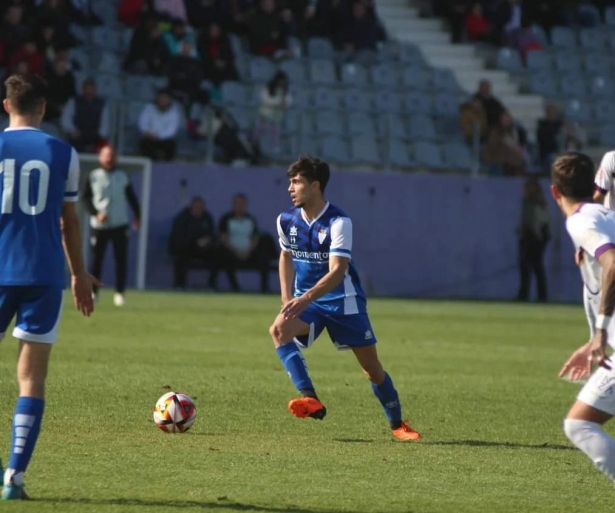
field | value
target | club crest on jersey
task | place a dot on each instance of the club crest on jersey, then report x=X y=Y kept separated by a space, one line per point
x=322 y=235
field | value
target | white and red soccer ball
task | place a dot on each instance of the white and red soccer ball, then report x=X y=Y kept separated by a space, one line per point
x=174 y=413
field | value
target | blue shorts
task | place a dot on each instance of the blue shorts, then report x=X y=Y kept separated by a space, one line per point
x=37 y=309
x=345 y=331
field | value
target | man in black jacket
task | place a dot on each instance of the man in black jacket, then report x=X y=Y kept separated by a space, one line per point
x=192 y=238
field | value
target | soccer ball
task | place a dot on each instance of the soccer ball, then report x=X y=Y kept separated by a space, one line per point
x=174 y=413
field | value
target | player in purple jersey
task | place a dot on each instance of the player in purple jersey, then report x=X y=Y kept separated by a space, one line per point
x=321 y=290
x=39 y=180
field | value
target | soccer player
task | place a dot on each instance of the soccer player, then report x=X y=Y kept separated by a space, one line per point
x=604 y=184
x=39 y=179
x=321 y=290
x=592 y=229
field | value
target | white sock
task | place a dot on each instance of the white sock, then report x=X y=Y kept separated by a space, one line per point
x=590 y=438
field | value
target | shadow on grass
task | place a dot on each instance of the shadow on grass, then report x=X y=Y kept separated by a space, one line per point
x=511 y=445
x=354 y=440
x=221 y=505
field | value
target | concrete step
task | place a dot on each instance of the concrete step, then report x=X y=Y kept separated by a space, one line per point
x=466 y=62
x=396 y=4
x=396 y=12
x=419 y=37
x=402 y=24
x=448 y=50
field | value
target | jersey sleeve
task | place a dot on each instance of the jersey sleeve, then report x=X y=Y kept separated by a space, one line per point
x=604 y=176
x=71 y=194
x=341 y=237
x=588 y=235
x=284 y=242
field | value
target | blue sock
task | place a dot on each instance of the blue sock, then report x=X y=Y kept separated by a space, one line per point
x=26 y=427
x=295 y=366
x=387 y=395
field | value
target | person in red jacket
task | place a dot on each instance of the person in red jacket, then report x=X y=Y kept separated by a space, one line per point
x=28 y=52
x=476 y=25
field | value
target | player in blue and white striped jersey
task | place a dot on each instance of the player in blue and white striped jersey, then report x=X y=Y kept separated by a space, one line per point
x=321 y=290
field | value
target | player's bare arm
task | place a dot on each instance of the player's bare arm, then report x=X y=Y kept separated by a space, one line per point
x=607 y=307
x=337 y=269
x=81 y=281
x=287 y=276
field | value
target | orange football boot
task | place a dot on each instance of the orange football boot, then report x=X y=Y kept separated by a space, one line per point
x=405 y=433
x=307 y=407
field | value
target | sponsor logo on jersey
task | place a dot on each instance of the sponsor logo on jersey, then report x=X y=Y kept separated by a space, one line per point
x=310 y=255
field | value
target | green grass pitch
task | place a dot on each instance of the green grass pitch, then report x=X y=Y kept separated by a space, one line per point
x=477 y=379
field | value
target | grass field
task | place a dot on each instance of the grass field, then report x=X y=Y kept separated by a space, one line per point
x=477 y=379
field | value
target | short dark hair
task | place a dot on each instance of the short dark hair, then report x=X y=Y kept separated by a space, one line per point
x=573 y=175
x=312 y=169
x=25 y=93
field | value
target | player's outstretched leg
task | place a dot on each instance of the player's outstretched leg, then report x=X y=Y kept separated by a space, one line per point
x=283 y=332
x=583 y=427
x=385 y=392
x=31 y=375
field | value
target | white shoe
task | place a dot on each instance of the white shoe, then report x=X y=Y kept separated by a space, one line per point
x=118 y=299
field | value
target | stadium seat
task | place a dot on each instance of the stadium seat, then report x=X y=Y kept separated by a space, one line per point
x=540 y=34
x=290 y=123
x=384 y=76
x=428 y=155
x=81 y=58
x=398 y=154
x=422 y=128
x=51 y=129
x=322 y=72
x=444 y=80
x=392 y=125
x=609 y=16
x=538 y=60
x=602 y=87
x=573 y=86
x=544 y=83
x=576 y=110
x=188 y=148
x=388 y=52
x=596 y=62
x=126 y=35
x=604 y=111
x=133 y=112
x=235 y=93
x=509 y=60
x=306 y=145
x=335 y=149
x=365 y=58
x=295 y=70
x=593 y=39
x=446 y=105
x=563 y=37
x=356 y=100
x=448 y=128
x=307 y=125
x=236 y=44
x=567 y=62
x=607 y=135
x=326 y=98
x=105 y=37
x=294 y=46
x=320 y=48
x=80 y=77
x=387 y=101
x=138 y=87
x=81 y=33
x=261 y=69
x=361 y=123
x=301 y=97
x=243 y=118
x=106 y=62
x=415 y=77
x=330 y=123
x=410 y=54
x=364 y=150
x=354 y=75
x=418 y=102
x=109 y=86
x=457 y=155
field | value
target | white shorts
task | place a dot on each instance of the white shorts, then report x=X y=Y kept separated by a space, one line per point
x=599 y=391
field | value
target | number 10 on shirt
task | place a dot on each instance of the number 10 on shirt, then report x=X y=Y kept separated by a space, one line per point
x=7 y=172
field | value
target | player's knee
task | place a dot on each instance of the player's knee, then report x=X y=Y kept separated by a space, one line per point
x=277 y=334
x=374 y=372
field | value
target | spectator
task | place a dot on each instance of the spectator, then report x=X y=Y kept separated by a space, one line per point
x=107 y=195
x=329 y=18
x=148 y=51
x=49 y=42
x=533 y=235
x=61 y=87
x=193 y=238
x=473 y=120
x=476 y=24
x=493 y=107
x=549 y=136
x=55 y=13
x=239 y=244
x=525 y=40
x=275 y=101
x=506 y=146
x=130 y=12
x=217 y=55
x=185 y=74
x=171 y=9
x=14 y=32
x=361 y=31
x=454 y=11
x=202 y=13
x=178 y=34
x=28 y=52
x=159 y=124
x=81 y=12
x=85 y=119
x=266 y=30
